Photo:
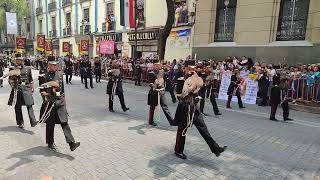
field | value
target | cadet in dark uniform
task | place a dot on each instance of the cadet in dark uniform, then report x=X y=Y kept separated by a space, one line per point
x=234 y=90
x=1 y=71
x=114 y=87
x=97 y=69
x=82 y=70
x=169 y=86
x=22 y=92
x=202 y=92
x=263 y=88
x=210 y=85
x=53 y=110
x=88 y=74
x=68 y=69
x=278 y=96
x=188 y=113
x=156 y=93
x=138 y=72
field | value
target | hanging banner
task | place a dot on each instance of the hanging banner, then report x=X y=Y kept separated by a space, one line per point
x=84 y=47
x=20 y=44
x=97 y=48
x=107 y=47
x=40 y=42
x=11 y=19
x=65 y=47
x=179 y=39
x=48 y=45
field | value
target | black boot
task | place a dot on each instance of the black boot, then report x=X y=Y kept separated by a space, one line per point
x=125 y=109
x=52 y=147
x=220 y=151
x=74 y=145
x=181 y=155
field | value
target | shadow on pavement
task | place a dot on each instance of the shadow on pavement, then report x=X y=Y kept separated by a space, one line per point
x=25 y=156
x=15 y=129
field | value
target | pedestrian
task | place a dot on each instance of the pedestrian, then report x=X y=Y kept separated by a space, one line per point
x=234 y=89
x=156 y=93
x=114 y=87
x=82 y=69
x=87 y=73
x=188 y=113
x=53 y=110
x=21 y=94
x=138 y=72
x=68 y=69
x=263 y=84
x=97 y=69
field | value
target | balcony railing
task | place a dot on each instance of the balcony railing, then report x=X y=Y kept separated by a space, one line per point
x=53 y=33
x=39 y=11
x=85 y=29
x=52 y=6
x=66 y=3
x=108 y=27
x=67 y=31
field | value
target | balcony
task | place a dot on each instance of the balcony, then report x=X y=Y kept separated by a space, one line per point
x=66 y=3
x=53 y=33
x=52 y=6
x=85 y=29
x=67 y=31
x=39 y=11
x=110 y=26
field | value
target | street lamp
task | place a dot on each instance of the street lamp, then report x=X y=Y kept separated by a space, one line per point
x=226 y=3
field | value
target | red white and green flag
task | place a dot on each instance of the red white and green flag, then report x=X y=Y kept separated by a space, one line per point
x=127 y=13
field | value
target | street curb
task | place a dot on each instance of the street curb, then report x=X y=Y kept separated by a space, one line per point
x=302 y=108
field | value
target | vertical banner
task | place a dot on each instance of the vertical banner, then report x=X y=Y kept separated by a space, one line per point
x=107 y=47
x=66 y=47
x=20 y=44
x=11 y=19
x=40 y=42
x=84 y=47
x=48 y=45
x=97 y=48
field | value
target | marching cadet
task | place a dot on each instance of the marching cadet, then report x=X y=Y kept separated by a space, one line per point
x=156 y=94
x=234 y=89
x=97 y=69
x=88 y=73
x=212 y=97
x=1 y=71
x=53 y=110
x=82 y=69
x=114 y=87
x=69 y=69
x=202 y=92
x=42 y=71
x=169 y=85
x=188 y=113
x=21 y=94
x=279 y=96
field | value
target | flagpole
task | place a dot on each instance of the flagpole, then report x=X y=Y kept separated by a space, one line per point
x=135 y=30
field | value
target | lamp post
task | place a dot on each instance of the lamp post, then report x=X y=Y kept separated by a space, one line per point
x=226 y=3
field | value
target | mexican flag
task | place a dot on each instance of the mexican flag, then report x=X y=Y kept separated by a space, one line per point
x=127 y=13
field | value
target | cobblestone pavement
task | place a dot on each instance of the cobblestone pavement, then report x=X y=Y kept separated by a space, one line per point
x=121 y=146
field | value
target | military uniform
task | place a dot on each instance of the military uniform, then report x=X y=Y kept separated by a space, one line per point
x=88 y=74
x=156 y=92
x=114 y=87
x=1 y=71
x=22 y=95
x=68 y=70
x=58 y=114
x=263 y=89
x=212 y=96
x=169 y=86
x=234 y=90
x=97 y=70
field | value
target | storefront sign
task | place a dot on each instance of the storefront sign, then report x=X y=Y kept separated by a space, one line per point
x=40 y=42
x=65 y=47
x=48 y=45
x=107 y=47
x=142 y=36
x=117 y=37
x=84 y=47
x=20 y=44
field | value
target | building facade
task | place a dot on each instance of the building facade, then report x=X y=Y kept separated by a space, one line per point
x=96 y=20
x=267 y=30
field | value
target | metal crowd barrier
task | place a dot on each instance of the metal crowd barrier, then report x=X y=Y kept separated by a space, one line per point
x=304 y=89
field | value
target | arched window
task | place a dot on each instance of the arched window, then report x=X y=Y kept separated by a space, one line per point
x=293 y=19
x=225 y=20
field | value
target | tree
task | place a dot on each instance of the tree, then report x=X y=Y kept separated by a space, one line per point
x=165 y=32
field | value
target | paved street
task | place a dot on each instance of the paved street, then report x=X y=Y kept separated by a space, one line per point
x=121 y=146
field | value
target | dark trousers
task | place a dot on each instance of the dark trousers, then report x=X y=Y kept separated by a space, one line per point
x=19 y=115
x=1 y=82
x=98 y=77
x=239 y=100
x=138 y=80
x=86 y=82
x=165 y=110
x=50 y=124
x=203 y=130
x=264 y=96
x=214 y=103
x=274 y=108
x=68 y=78
x=173 y=96
x=121 y=99
x=82 y=78
x=285 y=108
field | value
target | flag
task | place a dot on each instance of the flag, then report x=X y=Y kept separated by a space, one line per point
x=122 y=14
x=127 y=13
x=131 y=13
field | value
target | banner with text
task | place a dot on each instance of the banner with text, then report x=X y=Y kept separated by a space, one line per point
x=12 y=27
x=107 y=47
x=66 y=47
x=48 y=45
x=20 y=44
x=84 y=47
x=40 y=42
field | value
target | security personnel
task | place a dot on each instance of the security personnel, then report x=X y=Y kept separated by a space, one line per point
x=22 y=92
x=53 y=110
x=114 y=87
x=69 y=69
x=234 y=89
x=188 y=113
x=97 y=69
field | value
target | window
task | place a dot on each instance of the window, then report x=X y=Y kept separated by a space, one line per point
x=40 y=26
x=181 y=15
x=86 y=15
x=68 y=20
x=39 y=3
x=225 y=20
x=110 y=19
x=53 y=26
x=293 y=19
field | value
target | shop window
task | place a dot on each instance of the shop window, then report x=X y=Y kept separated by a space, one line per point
x=110 y=19
x=140 y=14
x=293 y=19
x=225 y=20
x=181 y=16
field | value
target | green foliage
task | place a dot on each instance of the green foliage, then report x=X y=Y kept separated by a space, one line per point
x=18 y=6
